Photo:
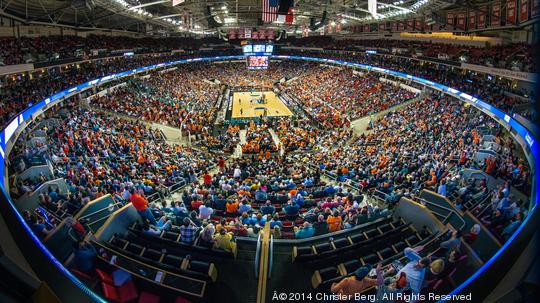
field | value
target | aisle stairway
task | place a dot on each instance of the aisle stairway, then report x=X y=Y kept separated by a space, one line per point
x=276 y=140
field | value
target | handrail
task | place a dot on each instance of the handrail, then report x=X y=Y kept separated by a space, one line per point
x=271 y=256
x=99 y=210
x=263 y=277
x=451 y=211
x=257 y=252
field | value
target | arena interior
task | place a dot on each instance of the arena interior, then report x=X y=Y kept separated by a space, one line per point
x=269 y=150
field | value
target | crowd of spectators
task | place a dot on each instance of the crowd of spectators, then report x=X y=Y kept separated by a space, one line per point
x=51 y=48
x=336 y=96
x=510 y=56
x=180 y=98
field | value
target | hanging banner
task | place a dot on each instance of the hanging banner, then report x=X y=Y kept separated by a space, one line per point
x=482 y=17
x=418 y=24
x=394 y=26
x=461 y=18
x=472 y=20
x=410 y=24
x=511 y=15
x=449 y=21
x=401 y=26
x=496 y=14
x=367 y=28
x=427 y=27
x=523 y=10
x=382 y=27
x=535 y=5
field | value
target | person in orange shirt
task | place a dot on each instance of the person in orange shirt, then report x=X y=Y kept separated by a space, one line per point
x=334 y=222
x=141 y=205
x=433 y=180
x=355 y=284
x=232 y=207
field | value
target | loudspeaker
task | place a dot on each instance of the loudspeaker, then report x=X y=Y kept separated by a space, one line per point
x=316 y=25
x=212 y=23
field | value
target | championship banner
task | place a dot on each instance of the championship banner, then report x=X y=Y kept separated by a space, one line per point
x=401 y=26
x=523 y=10
x=232 y=34
x=461 y=18
x=535 y=5
x=449 y=21
x=394 y=26
x=382 y=26
x=482 y=17
x=511 y=14
x=270 y=34
x=472 y=20
x=418 y=24
x=366 y=28
x=427 y=27
x=496 y=14
x=262 y=33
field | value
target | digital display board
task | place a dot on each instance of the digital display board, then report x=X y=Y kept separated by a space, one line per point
x=257 y=49
x=257 y=62
x=248 y=48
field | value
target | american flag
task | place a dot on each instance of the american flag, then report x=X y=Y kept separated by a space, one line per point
x=270 y=9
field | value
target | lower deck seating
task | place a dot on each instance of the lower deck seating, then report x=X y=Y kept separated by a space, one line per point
x=171 y=241
x=180 y=264
x=369 y=233
x=384 y=251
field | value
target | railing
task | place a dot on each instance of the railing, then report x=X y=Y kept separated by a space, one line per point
x=446 y=217
x=271 y=256
x=257 y=253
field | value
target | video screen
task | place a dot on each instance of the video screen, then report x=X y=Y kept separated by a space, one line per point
x=257 y=62
x=248 y=48
x=258 y=48
x=269 y=49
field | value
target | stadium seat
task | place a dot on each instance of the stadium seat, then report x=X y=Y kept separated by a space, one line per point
x=322 y=248
x=135 y=248
x=173 y=261
x=371 y=259
x=352 y=265
x=152 y=254
x=340 y=243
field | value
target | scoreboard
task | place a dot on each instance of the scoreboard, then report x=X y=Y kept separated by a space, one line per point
x=257 y=55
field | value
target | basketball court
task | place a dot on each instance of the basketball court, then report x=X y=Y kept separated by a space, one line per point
x=249 y=105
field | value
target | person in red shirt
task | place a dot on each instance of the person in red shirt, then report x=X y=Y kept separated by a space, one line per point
x=221 y=164
x=141 y=205
x=207 y=179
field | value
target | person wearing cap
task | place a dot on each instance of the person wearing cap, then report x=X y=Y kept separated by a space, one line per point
x=387 y=288
x=415 y=269
x=354 y=284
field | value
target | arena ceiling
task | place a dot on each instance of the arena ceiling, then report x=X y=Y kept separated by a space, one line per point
x=198 y=16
